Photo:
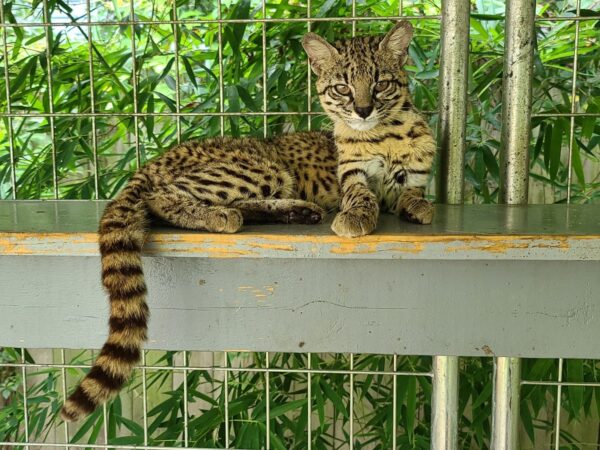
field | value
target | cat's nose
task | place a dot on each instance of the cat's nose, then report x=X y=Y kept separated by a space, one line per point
x=364 y=111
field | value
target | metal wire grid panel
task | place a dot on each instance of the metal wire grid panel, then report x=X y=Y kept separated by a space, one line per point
x=206 y=402
x=215 y=412
x=147 y=123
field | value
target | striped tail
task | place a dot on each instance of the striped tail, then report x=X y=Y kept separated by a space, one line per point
x=121 y=235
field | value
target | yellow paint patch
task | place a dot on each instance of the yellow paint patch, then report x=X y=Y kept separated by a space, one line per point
x=259 y=292
x=260 y=245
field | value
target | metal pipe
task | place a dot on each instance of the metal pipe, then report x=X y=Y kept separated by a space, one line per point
x=516 y=101
x=453 y=100
x=505 y=406
x=514 y=184
x=451 y=139
x=573 y=106
x=444 y=420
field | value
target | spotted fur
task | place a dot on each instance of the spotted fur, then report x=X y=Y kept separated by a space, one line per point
x=385 y=148
x=218 y=184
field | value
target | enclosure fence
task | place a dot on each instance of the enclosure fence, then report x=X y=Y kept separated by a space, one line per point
x=452 y=109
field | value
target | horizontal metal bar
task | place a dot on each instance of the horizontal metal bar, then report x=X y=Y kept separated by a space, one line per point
x=232 y=369
x=265 y=20
x=103 y=446
x=216 y=21
x=561 y=383
x=574 y=114
x=160 y=114
x=30 y=115
x=567 y=18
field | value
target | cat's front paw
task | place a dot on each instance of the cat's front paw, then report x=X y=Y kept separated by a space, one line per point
x=419 y=211
x=354 y=222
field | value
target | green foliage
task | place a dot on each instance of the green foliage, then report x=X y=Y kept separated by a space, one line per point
x=288 y=402
x=177 y=70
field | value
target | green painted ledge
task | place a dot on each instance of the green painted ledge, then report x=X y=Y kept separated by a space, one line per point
x=553 y=232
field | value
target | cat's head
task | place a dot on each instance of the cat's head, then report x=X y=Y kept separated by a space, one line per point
x=360 y=80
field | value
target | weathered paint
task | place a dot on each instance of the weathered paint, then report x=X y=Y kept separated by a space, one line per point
x=407 y=289
x=177 y=244
x=458 y=232
x=530 y=308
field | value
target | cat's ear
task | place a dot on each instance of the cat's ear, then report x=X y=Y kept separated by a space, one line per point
x=319 y=51
x=397 y=40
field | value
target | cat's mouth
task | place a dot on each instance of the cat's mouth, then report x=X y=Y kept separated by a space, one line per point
x=362 y=124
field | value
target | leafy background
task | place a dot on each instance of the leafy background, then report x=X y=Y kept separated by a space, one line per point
x=79 y=155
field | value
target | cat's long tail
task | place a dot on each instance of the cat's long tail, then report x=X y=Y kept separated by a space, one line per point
x=121 y=235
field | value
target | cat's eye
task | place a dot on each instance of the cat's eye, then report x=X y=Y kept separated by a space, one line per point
x=381 y=86
x=342 y=89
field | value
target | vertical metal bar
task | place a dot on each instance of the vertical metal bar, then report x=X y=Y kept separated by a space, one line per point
x=144 y=398
x=309 y=394
x=134 y=86
x=444 y=420
x=353 y=16
x=308 y=73
x=453 y=100
x=220 y=43
x=264 y=66
x=11 y=142
x=64 y=392
x=394 y=404
x=92 y=101
x=514 y=186
x=558 y=405
x=226 y=385
x=177 y=86
x=185 y=401
x=505 y=406
x=573 y=103
x=105 y=423
x=25 y=412
x=351 y=412
x=268 y=402
x=451 y=138
x=47 y=32
x=516 y=101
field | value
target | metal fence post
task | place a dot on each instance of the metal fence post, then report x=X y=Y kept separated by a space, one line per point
x=514 y=183
x=453 y=100
x=516 y=101
x=451 y=139
x=505 y=415
x=444 y=428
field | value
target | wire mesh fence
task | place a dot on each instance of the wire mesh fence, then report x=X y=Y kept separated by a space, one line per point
x=130 y=79
x=291 y=401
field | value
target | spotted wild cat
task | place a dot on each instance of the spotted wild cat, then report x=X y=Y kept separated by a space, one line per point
x=381 y=151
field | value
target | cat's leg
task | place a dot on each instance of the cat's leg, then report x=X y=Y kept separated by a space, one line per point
x=187 y=212
x=413 y=206
x=359 y=208
x=280 y=211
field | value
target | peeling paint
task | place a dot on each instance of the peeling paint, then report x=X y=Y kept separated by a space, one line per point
x=487 y=350
x=253 y=245
x=258 y=292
